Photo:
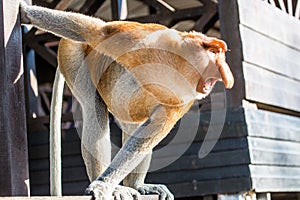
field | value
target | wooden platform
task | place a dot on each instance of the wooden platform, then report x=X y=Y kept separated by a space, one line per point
x=141 y=197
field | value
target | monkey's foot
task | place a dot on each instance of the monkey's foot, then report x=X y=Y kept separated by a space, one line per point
x=99 y=190
x=103 y=191
x=122 y=192
x=162 y=190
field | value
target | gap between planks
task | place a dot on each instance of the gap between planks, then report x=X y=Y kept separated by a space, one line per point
x=141 y=197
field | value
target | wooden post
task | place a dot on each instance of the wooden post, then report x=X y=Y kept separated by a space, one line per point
x=230 y=32
x=31 y=86
x=14 y=176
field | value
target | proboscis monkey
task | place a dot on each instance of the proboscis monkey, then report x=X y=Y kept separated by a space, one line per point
x=146 y=75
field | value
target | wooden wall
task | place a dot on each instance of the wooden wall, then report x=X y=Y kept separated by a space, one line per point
x=266 y=53
x=271 y=55
x=274 y=143
x=224 y=169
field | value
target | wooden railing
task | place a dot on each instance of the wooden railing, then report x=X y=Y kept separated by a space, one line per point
x=141 y=197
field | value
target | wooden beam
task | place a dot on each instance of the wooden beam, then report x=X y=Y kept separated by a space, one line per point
x=91 y=7
x=229 y=27
x=115 y=10
x=209 y=18
x=47 y=198
x=141 y=197
x=14 y=176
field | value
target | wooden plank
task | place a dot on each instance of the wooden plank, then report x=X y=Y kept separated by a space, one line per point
x=266 y=87
x=37 y=138
x=14 y=177
x=196 y=188
x=193 y=148
x=68 y=161
x=265 y=124
x=263 y=171
x=273 y=158
x=275 y=184
x=141 y=197
x=281 y=60
x=46 y=198
x=221 y=155
x=234 y=153
x=73 y=189
x=274 y=152
x=262 y=17
x=78 y=174
x=40 y=152
x=73 y=148
x=234 y=127
x=204 y=174
x=218 y=159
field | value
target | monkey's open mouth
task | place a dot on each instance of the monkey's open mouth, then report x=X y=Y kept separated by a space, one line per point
x=208 y=85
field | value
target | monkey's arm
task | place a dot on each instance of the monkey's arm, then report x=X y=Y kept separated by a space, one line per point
x=69 y=25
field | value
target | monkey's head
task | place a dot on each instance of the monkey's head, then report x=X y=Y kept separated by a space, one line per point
x=217 y=69
x=192 y=61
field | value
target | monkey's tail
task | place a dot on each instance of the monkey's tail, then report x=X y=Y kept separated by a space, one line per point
x=55 y=134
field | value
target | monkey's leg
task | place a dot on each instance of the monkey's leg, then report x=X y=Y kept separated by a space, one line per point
x=136 y=178
x=95 y=140
x=135 y=149
x=96 y=148
x=95 y=131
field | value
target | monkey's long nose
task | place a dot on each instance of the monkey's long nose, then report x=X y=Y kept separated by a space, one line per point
x=226 y=74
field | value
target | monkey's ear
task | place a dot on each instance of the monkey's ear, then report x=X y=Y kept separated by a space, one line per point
x=214 y=45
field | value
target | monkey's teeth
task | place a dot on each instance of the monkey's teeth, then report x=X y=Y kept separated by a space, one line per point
x=209 y=83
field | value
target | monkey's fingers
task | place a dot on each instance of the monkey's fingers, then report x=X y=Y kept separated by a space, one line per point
x=122 y=192
x=161 y=190
x=99 y=190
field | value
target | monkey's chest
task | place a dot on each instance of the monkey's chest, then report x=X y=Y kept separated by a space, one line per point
x=131 y=96
x=124 y=96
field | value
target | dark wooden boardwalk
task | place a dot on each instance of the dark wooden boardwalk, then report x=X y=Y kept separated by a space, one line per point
x=141 y=197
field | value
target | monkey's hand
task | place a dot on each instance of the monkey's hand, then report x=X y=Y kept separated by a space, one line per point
x=100 y=190
x=162 y=190
x=104 y=191
x=122 y=192
x=23 y=6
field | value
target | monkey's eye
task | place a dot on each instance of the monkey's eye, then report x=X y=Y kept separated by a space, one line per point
x=213 y=50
